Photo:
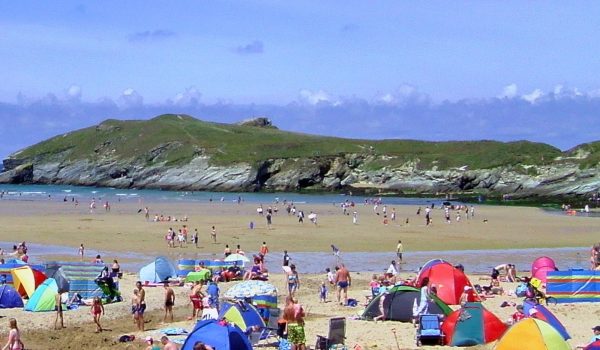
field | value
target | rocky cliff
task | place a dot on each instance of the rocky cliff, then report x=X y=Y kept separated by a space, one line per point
x=250 y=157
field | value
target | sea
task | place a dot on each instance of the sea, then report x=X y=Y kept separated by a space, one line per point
x=45 y=192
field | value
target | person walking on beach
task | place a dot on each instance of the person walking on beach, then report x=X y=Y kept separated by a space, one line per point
x=142 y=306
x=286 y=258
x=293 y=315
x=169 y=302
x=147 y=213
x=195 y=237
x=269 y=220
x=399 y=251
x=343 y=281
x=293 y=281
x=425 y=297
x=264 y=250
x=97 y=309
x=354 y=217
x=14 y=337
x=59 y=311
x=81 y=251
x=213 y=234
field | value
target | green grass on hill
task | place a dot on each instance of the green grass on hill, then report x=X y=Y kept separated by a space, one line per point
x=228 y=143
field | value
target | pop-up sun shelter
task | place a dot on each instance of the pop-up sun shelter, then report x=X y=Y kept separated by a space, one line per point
x=9 y=298
x=471 y=325
x=541 y=266
x=532 y=334
x=398 y=305
x=160 y=270
x=43 y=299
x=220 y=337
x=241 y=314
x=448 y=280
x=26 y=280
x=13 y=264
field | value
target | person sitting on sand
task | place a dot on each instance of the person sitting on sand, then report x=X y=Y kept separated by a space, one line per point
x=201 y=346
x=255 y=271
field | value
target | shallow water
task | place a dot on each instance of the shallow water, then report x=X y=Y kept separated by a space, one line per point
x=474 y=261
x=59 y=192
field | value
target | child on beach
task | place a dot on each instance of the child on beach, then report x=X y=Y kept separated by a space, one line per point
x=323 y=293
x=374 y=284
x=330 y=276
x=97 y=310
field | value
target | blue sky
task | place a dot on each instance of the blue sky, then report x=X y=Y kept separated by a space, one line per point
x=446 y=70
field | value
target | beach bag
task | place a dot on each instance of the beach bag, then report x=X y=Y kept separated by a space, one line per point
x=521 y=290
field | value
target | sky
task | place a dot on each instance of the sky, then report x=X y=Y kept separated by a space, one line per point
x=436 y=70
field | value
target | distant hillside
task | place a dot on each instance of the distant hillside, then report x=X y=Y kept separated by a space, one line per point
x=178 y=151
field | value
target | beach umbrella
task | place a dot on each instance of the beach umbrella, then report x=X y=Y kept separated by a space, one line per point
x=236 y=257
x=545 y=315
x=250 y=289
x=532 y=334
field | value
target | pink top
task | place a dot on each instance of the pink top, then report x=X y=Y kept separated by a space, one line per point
x=14 y=338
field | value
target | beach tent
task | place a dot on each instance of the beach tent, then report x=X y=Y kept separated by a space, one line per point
x=545 y=315
x=532 y=334
x=26 y=280
x=574 y=286
x=13 y=264
x=76 y=277
x=203 y=275
x=160 y=270
x=448 y=280
x=472 y=324
x=398 y=305
x=9 y=298
x=541 y=266
x=241 y=314
x=219 y=336
x=43 y=299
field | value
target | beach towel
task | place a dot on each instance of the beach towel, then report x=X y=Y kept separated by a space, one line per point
x=173 y=331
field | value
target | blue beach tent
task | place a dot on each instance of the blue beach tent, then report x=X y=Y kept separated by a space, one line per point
x=221 y=337
x=160 y=270
x=9 y=298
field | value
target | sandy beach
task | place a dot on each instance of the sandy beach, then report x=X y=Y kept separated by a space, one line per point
x=123 y=230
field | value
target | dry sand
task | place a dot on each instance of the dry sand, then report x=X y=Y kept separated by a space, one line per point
x=123 y=229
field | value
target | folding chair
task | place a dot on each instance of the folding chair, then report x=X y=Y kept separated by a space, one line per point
x=270 y=331
x=336 y=336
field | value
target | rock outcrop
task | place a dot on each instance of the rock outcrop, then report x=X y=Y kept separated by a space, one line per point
x=176 y=152
x=326 y=174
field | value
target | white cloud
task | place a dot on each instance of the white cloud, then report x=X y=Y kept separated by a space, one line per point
x=316 y=97
x=131 y=98
x=533 y=96
x=509 y=91
x=402 y=95
x=74 y=92
x=190 y=97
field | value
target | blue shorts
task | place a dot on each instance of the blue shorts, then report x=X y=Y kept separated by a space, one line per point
x=343 y=284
